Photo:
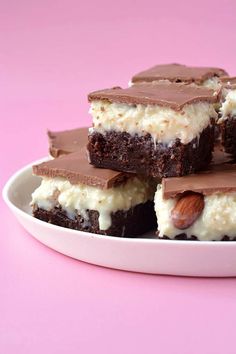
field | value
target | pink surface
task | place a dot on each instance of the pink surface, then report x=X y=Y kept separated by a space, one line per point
x=52 y=54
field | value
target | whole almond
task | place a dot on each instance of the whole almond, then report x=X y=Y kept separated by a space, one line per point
x=187 y=210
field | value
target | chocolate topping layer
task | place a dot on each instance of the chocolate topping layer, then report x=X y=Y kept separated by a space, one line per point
x=210 y=182
x=228 y=82
x=76 y=169
x=175 y=96
x=67 y=141
x=178 y=73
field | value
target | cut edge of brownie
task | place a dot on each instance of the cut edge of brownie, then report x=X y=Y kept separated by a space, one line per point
x=138 y=154
x=228 y=135
x=131 y=223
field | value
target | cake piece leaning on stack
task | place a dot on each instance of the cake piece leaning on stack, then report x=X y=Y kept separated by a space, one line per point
x=198 y=207
x=227 y=120
x=67 y=141
x=75 y=195
x=202 y=76
x=159 y=130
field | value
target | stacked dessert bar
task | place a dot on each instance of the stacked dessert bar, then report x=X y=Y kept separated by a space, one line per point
x=152 y=157
x=161 y=130
x=197 y=76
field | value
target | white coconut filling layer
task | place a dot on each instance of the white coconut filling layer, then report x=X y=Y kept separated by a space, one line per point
x=228 y=107
x=217 y=219
x=163 y=123
x=212 y=83
x=79 y=198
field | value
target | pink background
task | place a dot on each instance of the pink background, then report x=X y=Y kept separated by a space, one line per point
x=52 y=53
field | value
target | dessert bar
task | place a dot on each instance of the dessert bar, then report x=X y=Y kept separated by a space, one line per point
x=160 y=130
x=203 y=76
x=198 y=207
x=76 y=195
x=67 y=141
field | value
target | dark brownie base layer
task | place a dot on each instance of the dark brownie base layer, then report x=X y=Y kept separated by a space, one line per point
x=228 y=134
x=131 y=223
x=183 y=237
x=138 y=154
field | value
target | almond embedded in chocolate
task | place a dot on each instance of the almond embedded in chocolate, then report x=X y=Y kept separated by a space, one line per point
x=187 y=210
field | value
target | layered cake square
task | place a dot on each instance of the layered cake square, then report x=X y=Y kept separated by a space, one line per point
x=76 y=195
x=198 y=207
x=157 y=130
x=227 y=120
x=203 y=76
x=67 y=141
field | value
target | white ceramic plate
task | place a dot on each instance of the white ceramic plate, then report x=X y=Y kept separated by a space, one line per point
x=189 y=258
